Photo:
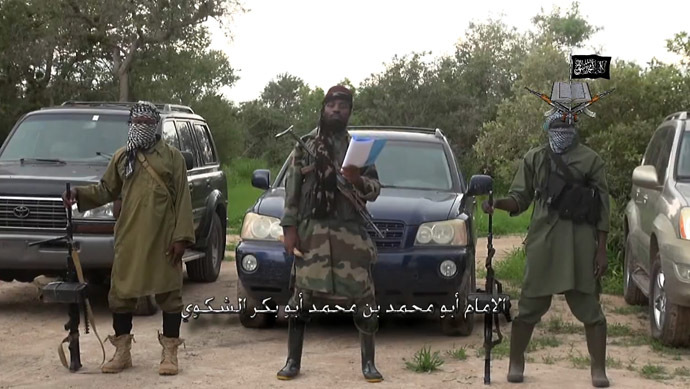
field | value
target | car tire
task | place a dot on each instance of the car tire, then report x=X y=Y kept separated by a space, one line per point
x=631 y=293
x=207 y=269
x=260 y=320
x=461 y=324
x=146 y=306
x=669 y=322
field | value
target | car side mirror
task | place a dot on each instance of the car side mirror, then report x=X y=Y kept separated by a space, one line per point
x=645 y=177
x=188 y=159
x=261 y=179
x=480 y=184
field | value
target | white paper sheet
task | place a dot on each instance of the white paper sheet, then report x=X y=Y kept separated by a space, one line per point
x=363 y=151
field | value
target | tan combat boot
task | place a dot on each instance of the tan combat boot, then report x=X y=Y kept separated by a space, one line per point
x=169 y=354
x=122 y=358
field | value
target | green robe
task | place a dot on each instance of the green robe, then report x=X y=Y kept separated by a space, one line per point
x=560 y=254
x=149 y=222
x=338 y=252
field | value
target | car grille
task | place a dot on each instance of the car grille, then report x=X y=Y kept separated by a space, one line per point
x=393 y=233
x=32 y=213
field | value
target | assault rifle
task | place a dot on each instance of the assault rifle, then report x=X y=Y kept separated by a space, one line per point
x=492 y=297
x=73 y=291
x=347 y=190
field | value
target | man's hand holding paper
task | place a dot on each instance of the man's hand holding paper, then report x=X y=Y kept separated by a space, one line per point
x=363 y=151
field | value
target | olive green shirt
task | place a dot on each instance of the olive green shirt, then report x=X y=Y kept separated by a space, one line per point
x=151 y=219
x=560 y=253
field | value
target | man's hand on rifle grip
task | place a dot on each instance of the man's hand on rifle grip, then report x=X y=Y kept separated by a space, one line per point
x=72 y=199
x=507 y=204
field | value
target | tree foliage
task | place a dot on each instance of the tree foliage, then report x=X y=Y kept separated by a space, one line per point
x=159 y=50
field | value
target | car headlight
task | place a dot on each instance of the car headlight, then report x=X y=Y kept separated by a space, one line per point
x=684 y=227
x=104 y=212
x=260 y=227
x=683 y=271
x=443 y=233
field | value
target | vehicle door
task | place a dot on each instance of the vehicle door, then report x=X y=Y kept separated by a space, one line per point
x=210 y=172
x=659 y=152
x=196 y=184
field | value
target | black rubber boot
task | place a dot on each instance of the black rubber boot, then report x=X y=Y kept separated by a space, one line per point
x=368 y=351
x=295 y=342
x=520 y=335
x=596 y=344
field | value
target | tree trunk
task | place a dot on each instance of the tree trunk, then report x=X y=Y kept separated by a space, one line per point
x=124 y=86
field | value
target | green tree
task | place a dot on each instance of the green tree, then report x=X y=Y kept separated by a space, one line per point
x=121 y=30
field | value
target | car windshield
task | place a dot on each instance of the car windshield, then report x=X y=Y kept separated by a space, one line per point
x=415 y=165
x=683 y=169
x=67 y=137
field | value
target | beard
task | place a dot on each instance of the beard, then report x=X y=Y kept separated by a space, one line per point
x=334 y=124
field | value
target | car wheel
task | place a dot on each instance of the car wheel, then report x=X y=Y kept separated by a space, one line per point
x=669 y=322
x=207 y=268
x=461 y=324
x=631 y=293
x=146 y=306
x=260 y=320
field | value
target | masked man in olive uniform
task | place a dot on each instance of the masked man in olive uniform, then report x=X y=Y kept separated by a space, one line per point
x=563 y=256
x=153 y=229
x=337 y=254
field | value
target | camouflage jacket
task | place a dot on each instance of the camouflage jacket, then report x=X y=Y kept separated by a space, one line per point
x=338 y=253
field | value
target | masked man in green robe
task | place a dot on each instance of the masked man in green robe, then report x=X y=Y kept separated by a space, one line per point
x=336 y=252
x=153 y=229
x=563 y=257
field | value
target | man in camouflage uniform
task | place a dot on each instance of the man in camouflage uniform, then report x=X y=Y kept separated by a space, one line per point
x=336 y=255
x=563 y=257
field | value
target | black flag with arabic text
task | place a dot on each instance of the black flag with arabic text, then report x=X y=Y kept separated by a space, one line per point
x=590 y=66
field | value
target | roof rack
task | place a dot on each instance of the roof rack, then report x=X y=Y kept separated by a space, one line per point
x=161 y=106
x=678 y=115
x=436 y=131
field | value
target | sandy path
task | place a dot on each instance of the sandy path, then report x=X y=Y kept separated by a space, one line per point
x=221 y=353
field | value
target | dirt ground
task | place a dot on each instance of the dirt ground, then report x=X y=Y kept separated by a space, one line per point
x=219 y=352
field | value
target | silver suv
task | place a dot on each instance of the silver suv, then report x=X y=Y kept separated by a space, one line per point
x=657 y=232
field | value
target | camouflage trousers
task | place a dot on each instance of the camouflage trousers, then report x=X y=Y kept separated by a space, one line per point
x=308 y=300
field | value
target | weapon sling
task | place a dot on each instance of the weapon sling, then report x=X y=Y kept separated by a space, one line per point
x=89 y=315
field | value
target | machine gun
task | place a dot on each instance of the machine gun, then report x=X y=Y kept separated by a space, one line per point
x=492 y=299
x=73 y=291
x=345 y=188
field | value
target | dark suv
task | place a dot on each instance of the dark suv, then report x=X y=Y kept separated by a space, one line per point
x=426 y=256
x=74 y=143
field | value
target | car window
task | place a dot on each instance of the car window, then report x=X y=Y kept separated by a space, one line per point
x=652 y=153
x=683 y=170
x=666 y=145
x=187 y=141
x=68 y=137
x=420 y=165
x=205 y=145
x=170 y=134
